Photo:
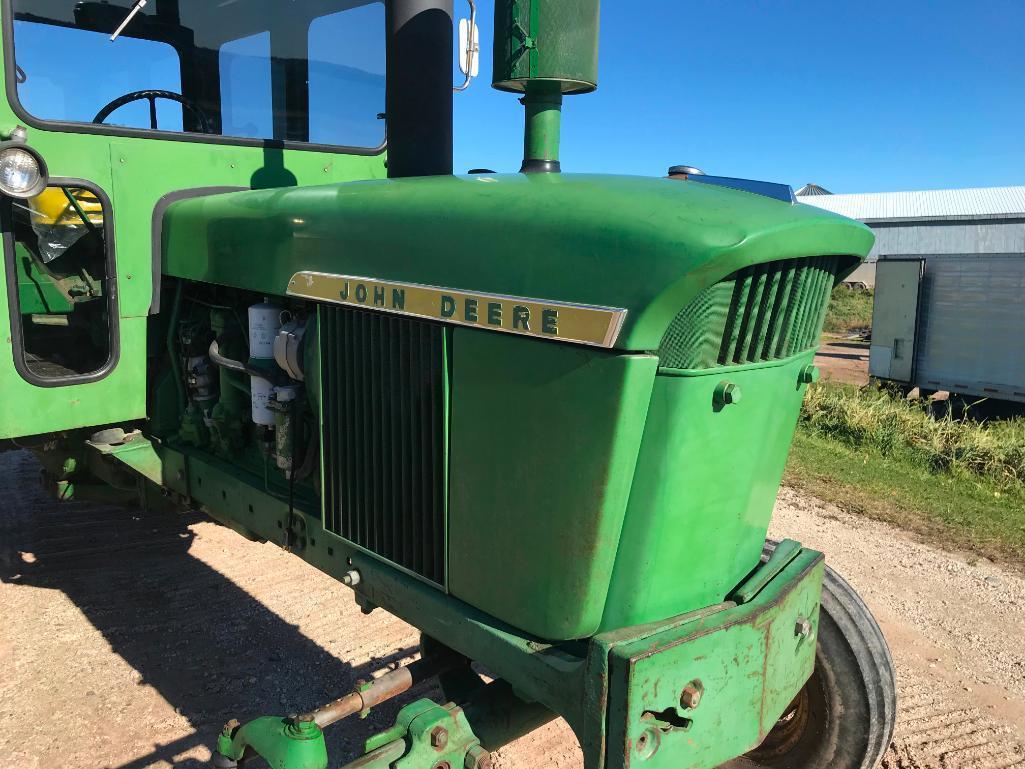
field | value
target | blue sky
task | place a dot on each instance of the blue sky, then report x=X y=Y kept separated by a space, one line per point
x=856 y=96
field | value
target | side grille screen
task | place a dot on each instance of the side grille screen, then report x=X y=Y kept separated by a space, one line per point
x=764 y=312
x=383 y=436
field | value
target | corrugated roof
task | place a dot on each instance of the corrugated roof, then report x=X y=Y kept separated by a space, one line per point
x=971 y=203
x=813 y=189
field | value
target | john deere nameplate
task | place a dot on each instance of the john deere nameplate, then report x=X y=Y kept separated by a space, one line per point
x=581 y=323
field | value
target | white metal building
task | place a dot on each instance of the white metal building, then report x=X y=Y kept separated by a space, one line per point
x=981 y=220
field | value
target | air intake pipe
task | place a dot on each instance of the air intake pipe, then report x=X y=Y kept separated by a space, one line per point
x=418 y=98
x=545 y=49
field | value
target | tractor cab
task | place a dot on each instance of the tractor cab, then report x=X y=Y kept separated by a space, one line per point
x=113 y=110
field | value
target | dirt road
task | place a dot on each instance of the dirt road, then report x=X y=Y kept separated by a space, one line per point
x=127 y=640
x=843 y=360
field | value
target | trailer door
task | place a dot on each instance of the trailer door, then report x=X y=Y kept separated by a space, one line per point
x=894 y=319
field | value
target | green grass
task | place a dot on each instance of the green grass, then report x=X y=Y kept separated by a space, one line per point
x=962 y=483
x=849 y=310
x=909 y=431
x=955 y=513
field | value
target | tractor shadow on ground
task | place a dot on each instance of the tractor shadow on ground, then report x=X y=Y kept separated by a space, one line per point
x=208 y=647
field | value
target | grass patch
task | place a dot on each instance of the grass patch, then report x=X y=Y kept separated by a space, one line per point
x=962 y=482
x=909 y=431
x=959 y=514
x=850 y=310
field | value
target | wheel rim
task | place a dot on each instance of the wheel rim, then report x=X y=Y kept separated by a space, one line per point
x=787 y=732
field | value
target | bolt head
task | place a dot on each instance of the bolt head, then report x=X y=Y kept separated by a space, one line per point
x=809 y=374
x=803 y=627
x=439 y=737
x=726 y=393
x=691 y=695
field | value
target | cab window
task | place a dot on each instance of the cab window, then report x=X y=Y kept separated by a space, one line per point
x=309 y=72
x=61 y=291
x=48 y=92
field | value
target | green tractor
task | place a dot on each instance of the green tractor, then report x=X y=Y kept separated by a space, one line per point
x=542 y=417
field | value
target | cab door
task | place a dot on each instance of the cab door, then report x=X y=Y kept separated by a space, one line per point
x=60 y=314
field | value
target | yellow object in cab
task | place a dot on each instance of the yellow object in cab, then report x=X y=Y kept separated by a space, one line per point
x=53 y=206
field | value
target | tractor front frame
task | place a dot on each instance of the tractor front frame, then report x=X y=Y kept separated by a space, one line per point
x=693 y=691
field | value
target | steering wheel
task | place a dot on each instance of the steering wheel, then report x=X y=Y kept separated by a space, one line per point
x=151 y=96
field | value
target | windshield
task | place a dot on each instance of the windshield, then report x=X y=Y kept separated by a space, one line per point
x=308 y=71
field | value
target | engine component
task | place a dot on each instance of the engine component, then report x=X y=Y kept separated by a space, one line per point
x=199 y=380
x=261 y=393
x=288 y=348
x=228 y=416
x=264 y=323
x=284 y=426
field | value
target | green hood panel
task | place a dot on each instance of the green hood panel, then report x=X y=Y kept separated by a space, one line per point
x=642 y=244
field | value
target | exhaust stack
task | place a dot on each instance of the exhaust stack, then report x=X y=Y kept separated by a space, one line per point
x=418 y=100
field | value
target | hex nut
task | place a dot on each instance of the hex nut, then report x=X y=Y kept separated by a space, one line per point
x=803 y=627
x=439 y=737
x=477 y=758
x=351 y=578
x=691 y=695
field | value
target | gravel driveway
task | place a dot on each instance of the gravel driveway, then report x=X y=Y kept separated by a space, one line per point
x=128 y=639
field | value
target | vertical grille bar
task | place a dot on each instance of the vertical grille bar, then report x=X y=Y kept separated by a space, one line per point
x=749 y=329
x=787 y=272
x=383 y=433
x=762 y=325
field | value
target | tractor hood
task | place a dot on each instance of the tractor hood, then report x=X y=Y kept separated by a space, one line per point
x=647 y=246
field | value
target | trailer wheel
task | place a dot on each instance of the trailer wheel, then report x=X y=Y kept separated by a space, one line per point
x=843 y=717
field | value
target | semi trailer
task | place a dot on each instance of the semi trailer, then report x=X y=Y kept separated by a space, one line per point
x=541 y=416
x=951 y=322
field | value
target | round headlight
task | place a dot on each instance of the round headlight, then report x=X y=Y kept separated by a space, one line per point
x=22 y=171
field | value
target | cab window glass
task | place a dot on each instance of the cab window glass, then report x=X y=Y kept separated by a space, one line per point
x=347 y=76
x=60 y=284
x=246 y=107
x=252 y=69
x=69 y=74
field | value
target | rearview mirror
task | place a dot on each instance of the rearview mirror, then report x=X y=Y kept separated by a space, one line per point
x=469 y=47
x=469 y=60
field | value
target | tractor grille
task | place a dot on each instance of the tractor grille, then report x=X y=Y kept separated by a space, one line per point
x=764 y=312
x=383 y=433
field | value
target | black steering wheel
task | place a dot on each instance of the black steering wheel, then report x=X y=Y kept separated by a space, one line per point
x=151 y=96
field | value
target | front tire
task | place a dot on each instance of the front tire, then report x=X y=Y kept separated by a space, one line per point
x=844 y=716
